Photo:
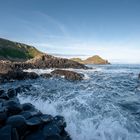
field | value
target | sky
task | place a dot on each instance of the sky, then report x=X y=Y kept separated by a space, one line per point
x=75 y=28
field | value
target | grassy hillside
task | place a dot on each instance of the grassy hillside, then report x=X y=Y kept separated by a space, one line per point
x=91 y=60
x=77 y=60
x=15 y=51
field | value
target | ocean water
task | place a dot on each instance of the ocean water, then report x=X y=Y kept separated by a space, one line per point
x=104 y=106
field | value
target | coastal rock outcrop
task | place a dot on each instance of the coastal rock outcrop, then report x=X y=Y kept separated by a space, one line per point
x=69 y=75
x=22 y=75
x=17 y=75
x=25 y=122
x=19 y=56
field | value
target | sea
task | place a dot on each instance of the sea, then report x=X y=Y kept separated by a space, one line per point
x=103 y=106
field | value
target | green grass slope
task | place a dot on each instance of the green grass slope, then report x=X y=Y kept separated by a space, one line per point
x=15 y=51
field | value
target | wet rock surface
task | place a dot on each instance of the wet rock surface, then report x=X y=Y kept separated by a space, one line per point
x=69 y=75
x=11 y=76
x=18 y=75
x=40 y=62
x=25 y=122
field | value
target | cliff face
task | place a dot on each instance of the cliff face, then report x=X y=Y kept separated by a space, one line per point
x=15 y=51
x=91 y=60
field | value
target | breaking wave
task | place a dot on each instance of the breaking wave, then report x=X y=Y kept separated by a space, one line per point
x=104 y=106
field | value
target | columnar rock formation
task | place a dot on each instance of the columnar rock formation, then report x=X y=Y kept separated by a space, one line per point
x=25 y=122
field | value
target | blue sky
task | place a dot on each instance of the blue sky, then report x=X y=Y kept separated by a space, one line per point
x=110 y=28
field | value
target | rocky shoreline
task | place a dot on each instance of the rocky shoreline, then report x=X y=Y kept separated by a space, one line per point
x=41 y=62
x=22 y=75
x=25 y=122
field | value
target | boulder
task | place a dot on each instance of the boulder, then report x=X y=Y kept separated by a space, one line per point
x=28 y=106
x=46 y=118
x=60 y=122
x=13 y=107
x=18 y=75
x=5 y=132
x=11 y=93
x=69 y=75
x=3 y=118
x=51 y=129
x=34 y=123
x=45 y=75
x=3 y=95
x=18 y=122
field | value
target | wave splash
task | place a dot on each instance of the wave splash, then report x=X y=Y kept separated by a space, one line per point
x=104 y=106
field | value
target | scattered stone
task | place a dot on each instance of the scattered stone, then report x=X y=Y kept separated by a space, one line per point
x=12 y=93
x=28 y=106
x=13 y=107
x=46 y=75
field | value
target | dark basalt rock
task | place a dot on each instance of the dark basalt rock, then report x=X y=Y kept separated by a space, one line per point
x=25 y=88
x=25 y=122
x=12 y=93
x=54 y=137
x=13 y=107
x=46 y=75
x=34 y=122
x=28 y=106
x=3 y=95
x=60 y=121
x=26 y=114
x=18 y=75
x=139 y=76
x=51 y=129
x=18 y=122
x=14 y=135
x=3 y=117
x=69 y=75
x=1 y=92
x=46 y=118
x=35 y=136
x=5 y=132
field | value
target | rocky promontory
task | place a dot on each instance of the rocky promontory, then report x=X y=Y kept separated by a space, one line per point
x=19 y=56
x=91 y=60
